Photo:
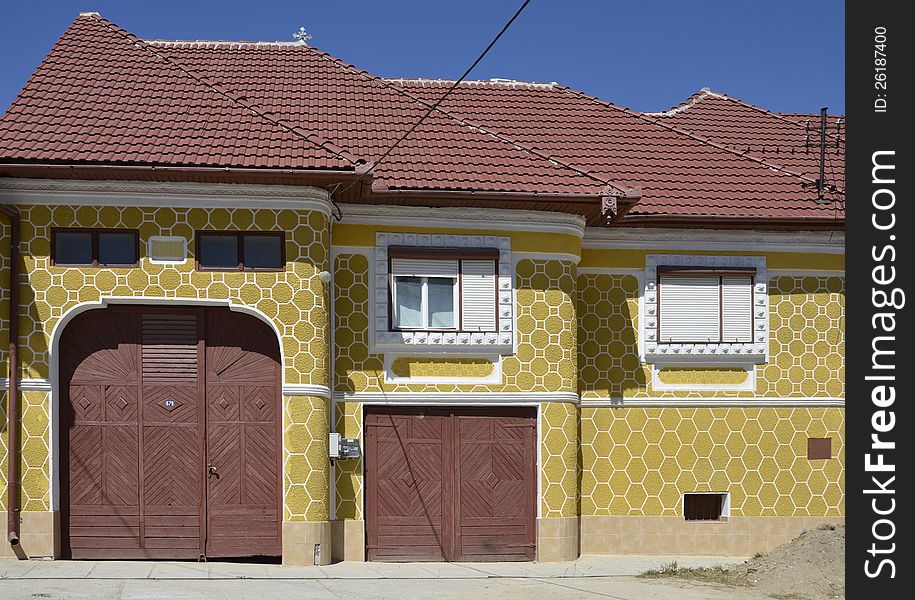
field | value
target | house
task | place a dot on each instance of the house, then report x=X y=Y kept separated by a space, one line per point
x=553 y=325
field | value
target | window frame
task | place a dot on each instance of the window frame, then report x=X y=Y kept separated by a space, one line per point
x=721 y=273
x=240 y=245
x=94 y=242
x=458 y=254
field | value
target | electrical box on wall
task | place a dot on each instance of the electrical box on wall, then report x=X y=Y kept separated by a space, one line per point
x=343 y=448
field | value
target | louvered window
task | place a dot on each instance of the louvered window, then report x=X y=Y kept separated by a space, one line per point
x=699 y=306
x=443 y=290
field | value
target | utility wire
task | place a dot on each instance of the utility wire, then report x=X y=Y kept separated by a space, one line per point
x=339 y=215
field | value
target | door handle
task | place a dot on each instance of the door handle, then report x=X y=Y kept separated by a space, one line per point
x=211 y=469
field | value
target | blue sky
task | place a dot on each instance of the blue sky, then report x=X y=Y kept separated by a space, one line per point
x=647 y=54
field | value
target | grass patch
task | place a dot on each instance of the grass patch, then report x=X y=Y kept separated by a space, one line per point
x=714 y=574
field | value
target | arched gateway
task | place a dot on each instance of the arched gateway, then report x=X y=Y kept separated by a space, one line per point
x=171 y=434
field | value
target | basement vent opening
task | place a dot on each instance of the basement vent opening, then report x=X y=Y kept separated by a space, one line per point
x=712 y=506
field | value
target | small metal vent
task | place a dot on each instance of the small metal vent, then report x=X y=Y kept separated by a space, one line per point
x=167 y=249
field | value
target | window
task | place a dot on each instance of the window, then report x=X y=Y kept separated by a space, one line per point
x=702 y=306
x=95 y=247
x=248 y=251
x=706 y=507
x=443 y=290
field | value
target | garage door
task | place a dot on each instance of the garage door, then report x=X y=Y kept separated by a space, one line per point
x=450 y=484
x=171 y=435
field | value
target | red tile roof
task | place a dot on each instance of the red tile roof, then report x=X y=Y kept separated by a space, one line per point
x=103 y=96
x=786 y=141
x=681 y=169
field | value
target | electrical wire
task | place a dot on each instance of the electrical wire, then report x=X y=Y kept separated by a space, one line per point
x=431 y=108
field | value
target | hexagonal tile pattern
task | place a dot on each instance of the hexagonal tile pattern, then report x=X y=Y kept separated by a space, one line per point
x=640 y=461
x=559 y=459
x=545 y=361
x=806 y=342
x=305 y=465
x=441 y=367
x=807 y=339
x=348 y=473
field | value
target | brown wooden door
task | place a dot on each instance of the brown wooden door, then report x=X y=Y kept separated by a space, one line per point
x=243 y=437
x=450 y=484
x=100 y=477
x=171 y=453
x=135 y=416
x=495 y=475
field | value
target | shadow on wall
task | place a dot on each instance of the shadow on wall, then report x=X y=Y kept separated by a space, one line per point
x=609 y=365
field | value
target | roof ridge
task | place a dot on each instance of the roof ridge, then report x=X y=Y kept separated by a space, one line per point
x=698 y=138
x=219 y=43
x=494 y=81
x=325 y=145
x=690 y=102
x=464 y=122
x=762 y=110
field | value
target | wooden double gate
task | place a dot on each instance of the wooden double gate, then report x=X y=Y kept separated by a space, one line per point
x=171 y=444
x=450 y=484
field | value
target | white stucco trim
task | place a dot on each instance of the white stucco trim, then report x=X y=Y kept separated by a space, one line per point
x=804 y=273
x=747 y=385
x=306 y=389
x=28 y=384
x=165 y=194
x=710 y=401
x=756 y=351
x=494 y=377
x=54 y=358
x=456 y=398
x=464 y=218
x=445 y=342
x=560 y=256
x=653 y=238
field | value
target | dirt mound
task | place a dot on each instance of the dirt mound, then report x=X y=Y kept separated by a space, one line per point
x=809 y=567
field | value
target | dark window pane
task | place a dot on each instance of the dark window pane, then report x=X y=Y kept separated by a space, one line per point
x=263 y=251
x=218 y=252
x=72 y=248
x=117 y=248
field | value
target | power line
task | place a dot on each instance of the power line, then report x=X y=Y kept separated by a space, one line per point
x=339 y=215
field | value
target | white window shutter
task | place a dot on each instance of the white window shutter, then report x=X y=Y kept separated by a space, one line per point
x=690 y=308
x=478 y=295
x=737 y=302
x=423 y=267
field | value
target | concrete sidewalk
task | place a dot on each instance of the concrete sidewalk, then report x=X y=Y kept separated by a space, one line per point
x=591 y=577
x=586 y=566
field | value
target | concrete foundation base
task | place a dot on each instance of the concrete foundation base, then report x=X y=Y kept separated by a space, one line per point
x=348 y=540
x=557 y=539
x=738 y=536
x=39 y=536
x=307 y=544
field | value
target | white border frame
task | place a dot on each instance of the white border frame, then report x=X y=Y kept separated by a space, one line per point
x=755 y=352
x=104 y=302
x=747 y=385
x=494 y=377
x=447 y=342
x=166 y=238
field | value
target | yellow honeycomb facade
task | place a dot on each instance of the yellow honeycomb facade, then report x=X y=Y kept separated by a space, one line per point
x=442 y=368
x=639 y=461
x=559 y=460
x=294 y=300
x=348 y=473
x=693 y=376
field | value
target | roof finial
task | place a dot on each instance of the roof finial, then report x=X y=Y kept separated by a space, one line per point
x=302 y=36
